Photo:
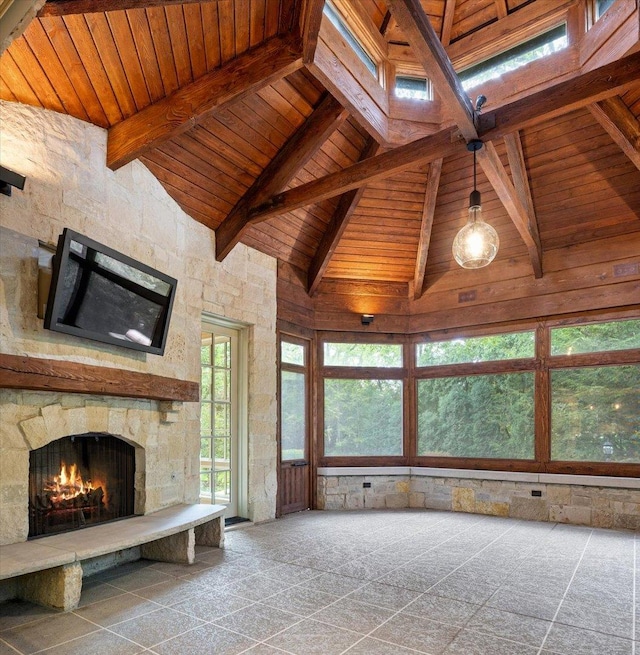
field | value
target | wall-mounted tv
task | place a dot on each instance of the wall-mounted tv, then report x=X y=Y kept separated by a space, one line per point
x=100 y=294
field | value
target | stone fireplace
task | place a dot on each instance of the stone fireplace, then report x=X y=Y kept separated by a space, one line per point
x=62 y=427
x=78 y=481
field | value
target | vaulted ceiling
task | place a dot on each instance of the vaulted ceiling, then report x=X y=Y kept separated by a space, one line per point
x=259 y=120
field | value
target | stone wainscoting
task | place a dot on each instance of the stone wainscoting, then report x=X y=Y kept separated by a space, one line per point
x=600 y=502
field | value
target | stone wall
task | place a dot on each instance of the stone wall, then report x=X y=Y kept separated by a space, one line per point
x=68 y=185
x=560 y=501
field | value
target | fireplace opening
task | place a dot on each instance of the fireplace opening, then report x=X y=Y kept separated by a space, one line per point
x=79 y=481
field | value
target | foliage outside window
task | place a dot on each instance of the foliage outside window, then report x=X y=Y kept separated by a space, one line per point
x=412 y=88
x=362 y=417
x=363 y=354
x=595 y=337
x=596 y=414
x=524 y=53
x=292 y=415
x=477 y=416
x=292 y=353
x=215 y=418
x=336 y=19
x=476 y=349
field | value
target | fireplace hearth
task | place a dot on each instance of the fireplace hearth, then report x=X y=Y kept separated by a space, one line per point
x=78 y=481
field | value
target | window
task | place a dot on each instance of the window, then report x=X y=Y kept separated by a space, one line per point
x=362 y=417
x=293 y=401
x=363 y=406
x=596 y=337
x=336 y=19
x=541 y=46
x=595 y=414
x=363 y=354
x=477 y=416
x=476 y=349
x=595 y=410
x=602 y=6
x=413 y=88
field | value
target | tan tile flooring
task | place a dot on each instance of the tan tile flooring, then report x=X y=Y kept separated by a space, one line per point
x=360 y=583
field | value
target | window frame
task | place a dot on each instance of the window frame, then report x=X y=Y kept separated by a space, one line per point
x=540 y=365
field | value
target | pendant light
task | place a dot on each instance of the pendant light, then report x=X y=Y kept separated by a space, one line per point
x=476 y=245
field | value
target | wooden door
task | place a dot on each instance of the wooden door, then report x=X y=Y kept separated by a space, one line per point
x=294 y=477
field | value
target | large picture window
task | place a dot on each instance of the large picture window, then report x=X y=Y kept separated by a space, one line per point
x=486 y=416
x=362 y=417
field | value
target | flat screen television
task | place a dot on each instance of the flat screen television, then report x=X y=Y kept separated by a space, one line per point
x=100 y=294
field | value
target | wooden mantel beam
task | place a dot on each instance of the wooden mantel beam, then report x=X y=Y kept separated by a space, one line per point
x=621 y=125
x=68 y=7
x=430 y=52
x=186 y=107
x=294 y=155
x=578 y=92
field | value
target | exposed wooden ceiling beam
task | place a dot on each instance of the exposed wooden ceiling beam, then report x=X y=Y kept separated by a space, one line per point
x=579 y=92
x=620 y=123
x=310 y=28
x=422 y=151
x=416 y=26
x=447 y=21
x=501 y=8
x=68 y=7
x=428 y=211
x=595 y=85
x=338 y=224
x=293 y=156
x=170 y=116
x=518 y=167
x=489 y=160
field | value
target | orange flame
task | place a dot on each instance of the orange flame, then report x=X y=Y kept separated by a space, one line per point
x=68 y=484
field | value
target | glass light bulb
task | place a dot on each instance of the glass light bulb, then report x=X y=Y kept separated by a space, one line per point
x=476 y=244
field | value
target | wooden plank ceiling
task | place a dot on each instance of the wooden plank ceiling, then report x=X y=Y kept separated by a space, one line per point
x=220 y=100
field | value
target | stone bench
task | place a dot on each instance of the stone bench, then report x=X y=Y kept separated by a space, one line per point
x=49 y=569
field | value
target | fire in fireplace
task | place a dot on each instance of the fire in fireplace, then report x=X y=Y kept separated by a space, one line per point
x=78 y=481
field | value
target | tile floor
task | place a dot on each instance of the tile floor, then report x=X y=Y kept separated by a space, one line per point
x=360 y=583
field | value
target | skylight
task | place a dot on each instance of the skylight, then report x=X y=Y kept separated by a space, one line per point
x=537 y=48
x=336 y=19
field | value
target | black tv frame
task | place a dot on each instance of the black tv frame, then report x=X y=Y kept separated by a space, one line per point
x=54 y=304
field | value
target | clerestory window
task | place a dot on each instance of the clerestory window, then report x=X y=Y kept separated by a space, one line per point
x=524 y=53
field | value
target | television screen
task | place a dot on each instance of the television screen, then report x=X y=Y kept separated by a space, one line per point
x=101 y=294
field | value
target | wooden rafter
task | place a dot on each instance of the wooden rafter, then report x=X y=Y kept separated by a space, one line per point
x=621 y=125
x=68 y=7
x=422 y=151
x=428 y=212
x=581 y=90
x=447 y=21
x=298 y=150
x=415 y=24
x=310 y=28
x=518 y=166
x=338 y=224
x=501 y=8
x=170 y=116
x=489 y=160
